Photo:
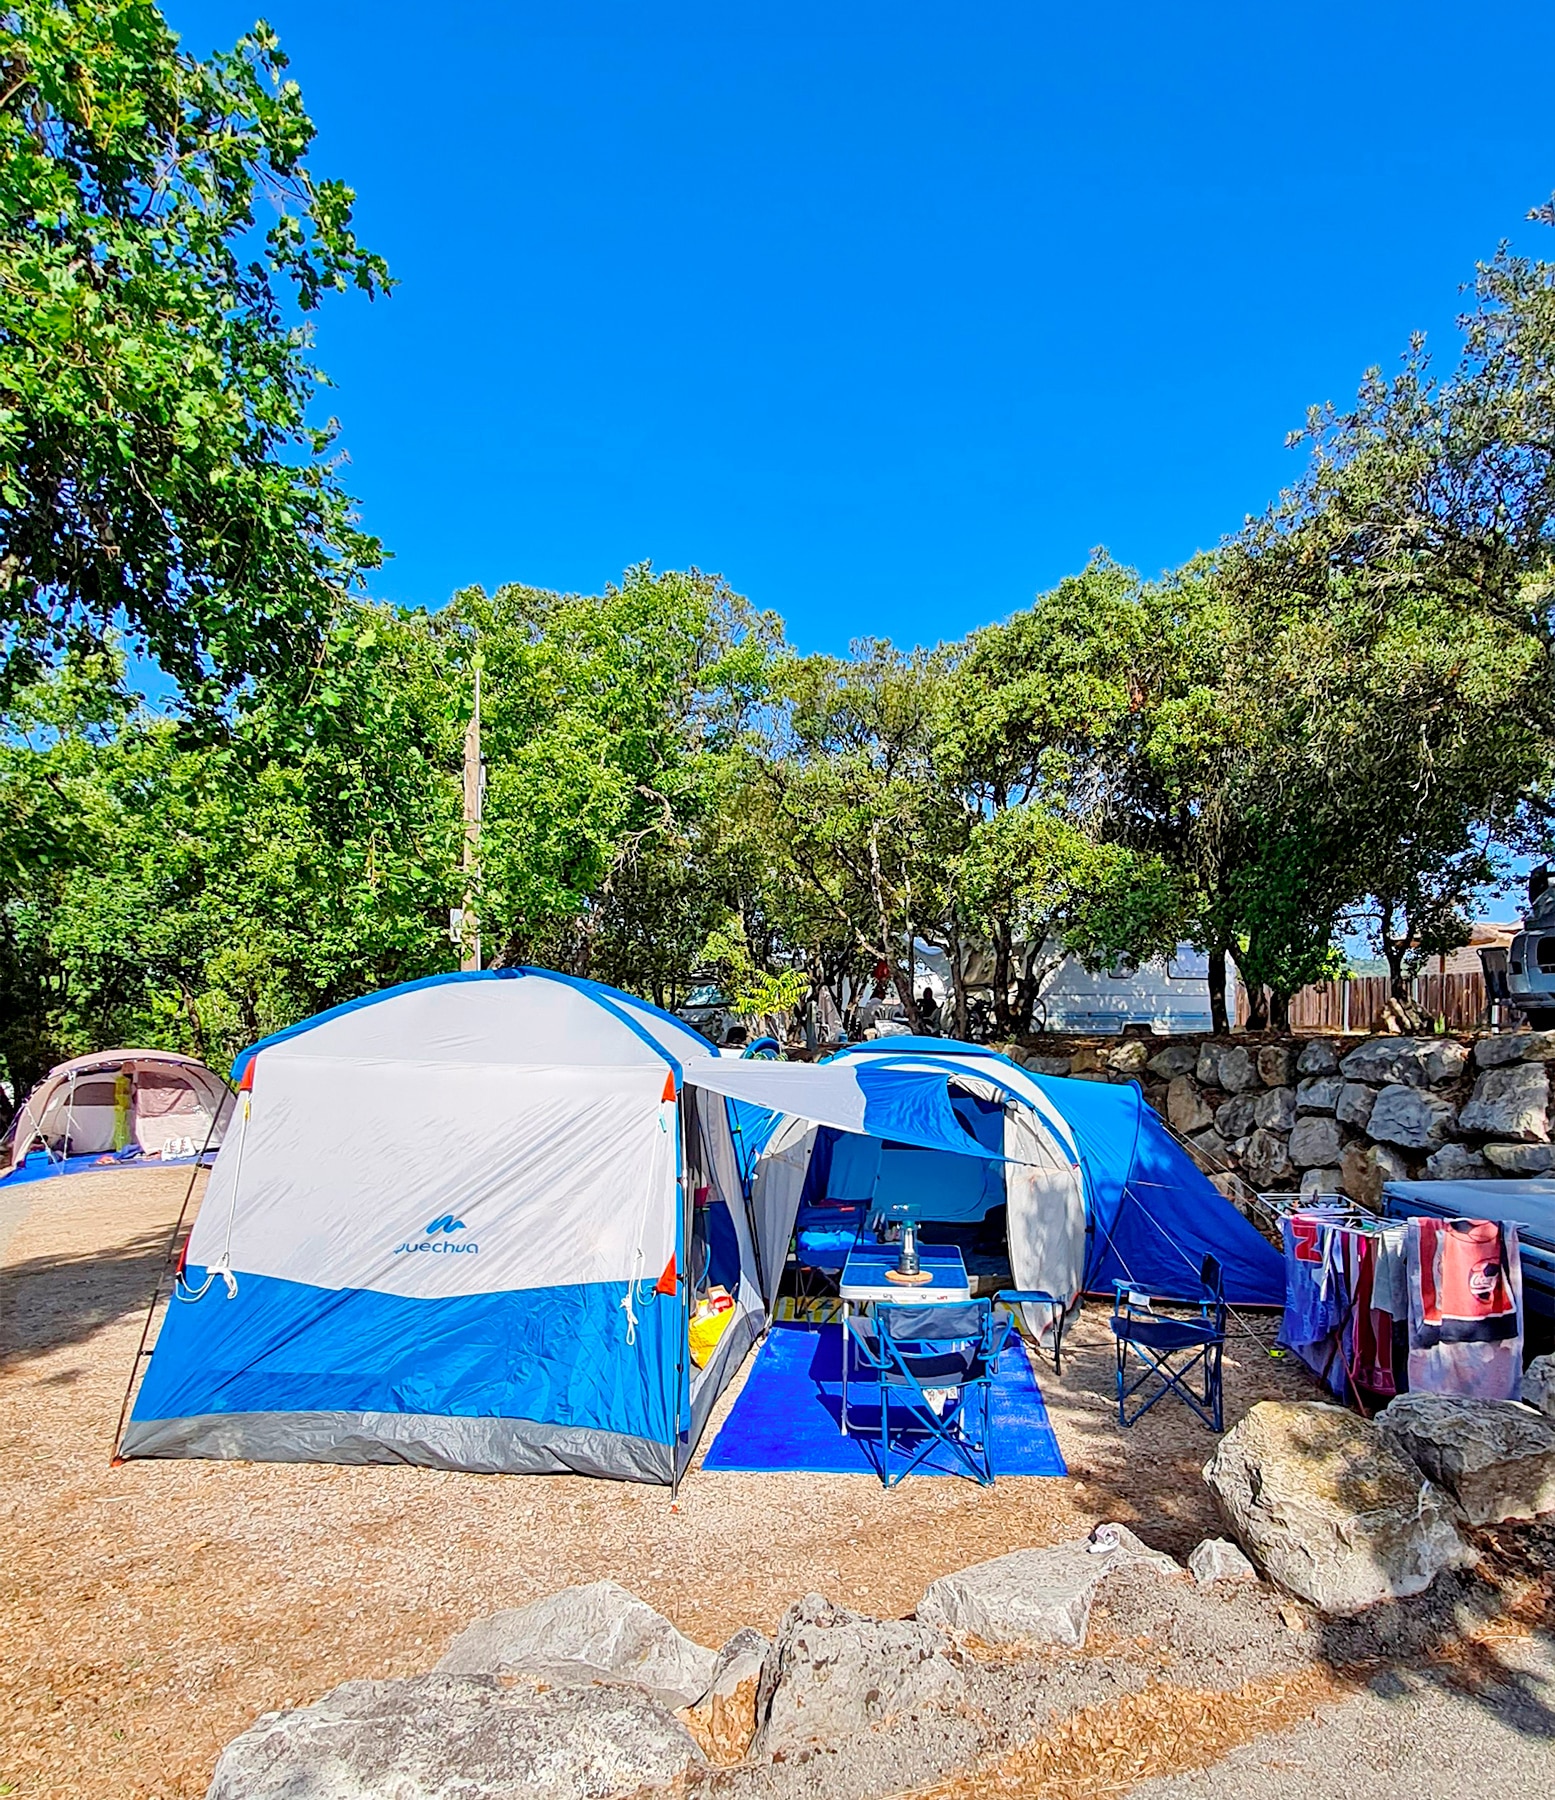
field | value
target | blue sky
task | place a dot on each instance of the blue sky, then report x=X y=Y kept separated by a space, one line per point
x=889 y=314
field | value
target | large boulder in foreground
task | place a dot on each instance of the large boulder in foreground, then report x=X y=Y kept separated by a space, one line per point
x=599 y=1632
x=1329 y=1509
x=1036 y=1596
x=442 y=1737
x=1496 y=1458
x=831 y=1672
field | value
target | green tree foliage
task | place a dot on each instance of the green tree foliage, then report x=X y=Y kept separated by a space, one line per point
x=160 y=238
x=201 y=895
x=604 y=721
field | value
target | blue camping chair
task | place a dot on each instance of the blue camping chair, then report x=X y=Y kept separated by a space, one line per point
x=1041 y=1297
x=951 y=1347
x=1156 y=1339
x=824 y=1236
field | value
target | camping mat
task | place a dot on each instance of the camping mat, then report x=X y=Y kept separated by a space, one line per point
x=787 y=1415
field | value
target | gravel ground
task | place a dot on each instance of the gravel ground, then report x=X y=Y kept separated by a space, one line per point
x=1407 y=1734
x=149 y=1613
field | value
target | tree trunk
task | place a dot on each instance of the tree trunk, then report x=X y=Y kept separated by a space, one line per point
x=958 y=988
x=1394 y=950
x=1218 y=1022
x=1001 y=981
x=1279 y=1011
x=1257 y=1002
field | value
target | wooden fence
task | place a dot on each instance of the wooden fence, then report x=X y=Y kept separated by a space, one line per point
x=1356 y=1004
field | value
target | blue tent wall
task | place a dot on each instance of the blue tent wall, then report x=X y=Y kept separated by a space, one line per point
x=1153 y=1214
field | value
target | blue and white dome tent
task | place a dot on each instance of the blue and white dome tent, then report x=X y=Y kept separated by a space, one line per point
x=460 y=1223
x=1096 y=1187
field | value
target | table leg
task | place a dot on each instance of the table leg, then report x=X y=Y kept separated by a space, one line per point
x=847 y=1308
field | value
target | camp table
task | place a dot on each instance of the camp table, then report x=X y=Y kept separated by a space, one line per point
x=864 y=1284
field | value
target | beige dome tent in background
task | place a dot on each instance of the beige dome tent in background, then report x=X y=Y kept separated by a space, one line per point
x=156 y=1101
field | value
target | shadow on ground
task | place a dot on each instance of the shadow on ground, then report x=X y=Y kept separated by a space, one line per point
x=48 y=1302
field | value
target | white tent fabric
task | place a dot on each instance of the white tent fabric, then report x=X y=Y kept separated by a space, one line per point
x=558 y=1176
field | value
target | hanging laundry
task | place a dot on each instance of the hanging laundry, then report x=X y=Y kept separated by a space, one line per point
x=1367 y=1338
x=1317 y=1300
x=1465 y=1308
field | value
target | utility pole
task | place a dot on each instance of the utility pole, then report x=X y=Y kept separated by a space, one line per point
x=470 y=928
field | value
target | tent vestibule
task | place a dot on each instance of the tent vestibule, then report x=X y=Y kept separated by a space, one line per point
x=1095 y=1187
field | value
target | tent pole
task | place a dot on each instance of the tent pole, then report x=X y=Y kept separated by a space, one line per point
x=151 y=1309
x=682 y=1285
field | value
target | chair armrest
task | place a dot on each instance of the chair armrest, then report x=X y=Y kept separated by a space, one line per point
x=1023 y=1296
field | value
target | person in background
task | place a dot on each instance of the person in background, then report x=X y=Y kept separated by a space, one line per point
x=928 y=1009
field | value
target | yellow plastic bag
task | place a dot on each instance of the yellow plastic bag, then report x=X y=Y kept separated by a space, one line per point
x=708 y=1324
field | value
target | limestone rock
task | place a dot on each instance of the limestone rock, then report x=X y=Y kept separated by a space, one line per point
x=1496 y=1458
x=1275 y=1109
x=1539 y=1385
x=1322 y=1181
x=1085 y=1061
x=1319 y=1093
x=1328 y=1509
x=1174 y=1060
x=1316 y=1142
x=1186 y=1107
x=1386 y=1060
x=1456 y=1162
x=1127 y=1058
x=1411 y=1118
x=1319 y=1056
x=1500 y=1048
x=1445 y=1061
x=1206 y=1070
x=1520 y=1159
x=1036 y=1596
x=739 y=1661
x=1276 y=1065
x=1367 y=1168
x=441 y=1737
x=1218 y=1559
x=1046 y=1065
x=1238 y=1070
x=1510 y=1103
x=1235 y=1119
x=1353 y=1107
x=831 y=1672
x=591 y=1633
x=1539 y=1046
x=1266 y=1159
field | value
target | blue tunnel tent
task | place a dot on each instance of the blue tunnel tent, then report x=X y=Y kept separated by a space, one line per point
x=1095 y=1186
x=463 y=1223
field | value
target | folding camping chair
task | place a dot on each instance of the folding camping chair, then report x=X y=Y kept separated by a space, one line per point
x=823 y=1237
x=1155 y=1339
x=1013 y=1297
x=949 y=1348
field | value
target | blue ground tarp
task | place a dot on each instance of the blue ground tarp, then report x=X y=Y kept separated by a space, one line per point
x=39 y=1169
x=787 y=1417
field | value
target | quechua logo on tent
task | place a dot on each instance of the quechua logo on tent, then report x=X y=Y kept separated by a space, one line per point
x=436 y=1240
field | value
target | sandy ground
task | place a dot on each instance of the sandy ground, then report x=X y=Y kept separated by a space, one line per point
x=149 y=1613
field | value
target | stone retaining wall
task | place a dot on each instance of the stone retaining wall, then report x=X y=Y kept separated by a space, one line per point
x=1327 y=1115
